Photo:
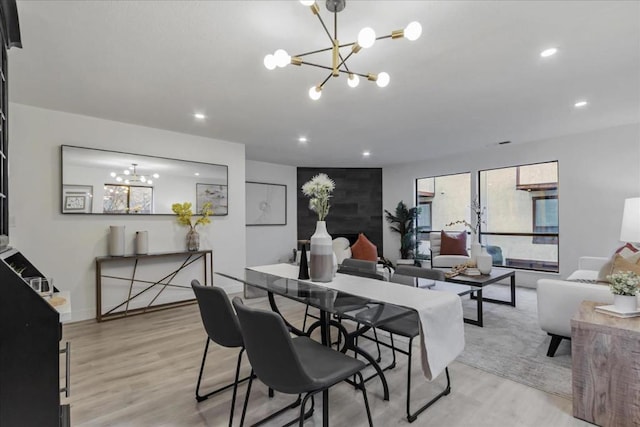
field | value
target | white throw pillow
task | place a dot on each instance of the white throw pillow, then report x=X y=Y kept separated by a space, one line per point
x=341 y=248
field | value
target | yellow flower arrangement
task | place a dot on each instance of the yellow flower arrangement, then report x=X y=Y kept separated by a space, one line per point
x=184 y=212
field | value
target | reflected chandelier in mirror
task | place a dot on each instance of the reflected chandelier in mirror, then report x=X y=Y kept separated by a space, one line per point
x=96 y=181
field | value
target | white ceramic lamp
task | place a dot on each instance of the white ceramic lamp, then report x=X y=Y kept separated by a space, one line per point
x=630 y=230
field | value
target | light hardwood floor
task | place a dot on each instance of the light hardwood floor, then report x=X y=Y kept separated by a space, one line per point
x=142 y=371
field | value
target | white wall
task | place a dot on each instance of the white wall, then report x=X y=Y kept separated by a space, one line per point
x=597 y=171
x=270 y=244
x=65 y=246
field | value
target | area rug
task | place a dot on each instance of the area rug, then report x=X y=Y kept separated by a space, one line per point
x=512 y=345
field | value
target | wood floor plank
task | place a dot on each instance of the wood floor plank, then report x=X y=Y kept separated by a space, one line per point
x=142 y=371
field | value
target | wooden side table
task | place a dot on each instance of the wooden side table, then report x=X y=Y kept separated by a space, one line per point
x=606 y=367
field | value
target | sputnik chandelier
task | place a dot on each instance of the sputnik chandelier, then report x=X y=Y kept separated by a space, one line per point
x=131 y=176
x=366 y=38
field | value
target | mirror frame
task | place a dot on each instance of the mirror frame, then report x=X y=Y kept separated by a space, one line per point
x=63 y=196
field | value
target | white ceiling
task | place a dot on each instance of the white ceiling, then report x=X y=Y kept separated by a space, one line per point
x=474 y=78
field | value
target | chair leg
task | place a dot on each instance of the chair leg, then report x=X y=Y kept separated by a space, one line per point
x=412 y=417
x=302 y=406
x=235 y=388
x=246 y=399
x=362 y=388
x=204 y=358
x=304 y=322
x=375 y=335
x=234 y=384
x=393 y=352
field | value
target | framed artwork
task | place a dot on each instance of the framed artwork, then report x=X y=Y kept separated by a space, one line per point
x=266 y=204
x=214 y=193
x=74 y=203
x=77 y=198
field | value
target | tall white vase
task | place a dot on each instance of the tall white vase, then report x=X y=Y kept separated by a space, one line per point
x=116 y=240
x=484 y=261
x=321 y=262
x=476 y=248
x=142 y=242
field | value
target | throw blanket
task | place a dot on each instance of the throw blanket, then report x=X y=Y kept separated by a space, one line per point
x=441 y=324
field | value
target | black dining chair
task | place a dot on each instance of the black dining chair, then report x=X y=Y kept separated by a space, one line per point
x=222 y=327
x=353 y=267
x=292 y=365
x=407 y=326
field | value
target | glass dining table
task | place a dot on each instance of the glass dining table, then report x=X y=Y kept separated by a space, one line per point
x=333 y=305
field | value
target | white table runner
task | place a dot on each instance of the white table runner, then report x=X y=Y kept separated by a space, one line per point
x=441 y=324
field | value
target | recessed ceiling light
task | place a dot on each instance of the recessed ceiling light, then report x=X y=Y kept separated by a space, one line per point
x=581 y=104
x=302 y=139
x=199 y=116
x=549 y=52
x=366 y=153
x=197 y=174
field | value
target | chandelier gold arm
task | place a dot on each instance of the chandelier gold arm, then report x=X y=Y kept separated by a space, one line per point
x=338 y=65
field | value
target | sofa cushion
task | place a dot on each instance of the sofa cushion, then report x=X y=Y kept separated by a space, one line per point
x=585 y=276
x=341 y=249
x=621 y=263
x=453 y=243
x=364 y=249
x=447 y=261
x=608 y=268
x=627 y=250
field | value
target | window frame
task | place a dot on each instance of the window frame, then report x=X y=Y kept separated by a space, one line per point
x=520 y=264
x=128 y=208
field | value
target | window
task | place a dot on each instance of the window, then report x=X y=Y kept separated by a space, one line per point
x=522 y=215
x=545 y=218
x=127 y=199
x=441 y=200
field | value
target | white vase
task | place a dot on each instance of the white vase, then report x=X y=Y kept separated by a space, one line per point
x=116 y=240
x=484 y=261
x=625 y=303
x=476 y=248
x=142 y=242
x=321 y=262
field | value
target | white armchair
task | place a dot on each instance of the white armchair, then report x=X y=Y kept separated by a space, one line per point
x=438 y=260
x=558 y=300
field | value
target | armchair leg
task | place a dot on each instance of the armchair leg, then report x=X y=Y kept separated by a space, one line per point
x=553 y=345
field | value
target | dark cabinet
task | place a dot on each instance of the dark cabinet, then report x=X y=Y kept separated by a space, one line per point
x=30 y=334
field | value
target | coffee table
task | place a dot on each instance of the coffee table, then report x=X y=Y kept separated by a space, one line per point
x=477 y=283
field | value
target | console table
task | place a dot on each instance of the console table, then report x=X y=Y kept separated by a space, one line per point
x=142 y=283
x=605 y=367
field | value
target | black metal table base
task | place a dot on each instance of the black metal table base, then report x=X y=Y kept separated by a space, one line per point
x=479 y=299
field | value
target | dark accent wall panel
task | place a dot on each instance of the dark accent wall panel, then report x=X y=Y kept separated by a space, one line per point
x=356 y=205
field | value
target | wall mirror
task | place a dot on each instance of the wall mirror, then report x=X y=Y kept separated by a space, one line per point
x=98 y=181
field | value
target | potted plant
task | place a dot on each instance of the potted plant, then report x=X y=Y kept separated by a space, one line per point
x=184 y=213
x=403 y=222
x=323 y=263
x=624 y=286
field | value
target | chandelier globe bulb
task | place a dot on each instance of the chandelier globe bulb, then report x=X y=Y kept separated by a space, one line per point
x=353 y=80
x=315 y=92
x=270 y=62
x=282 y=58
x=383 y=79
x=413 y=31
x=366 y=37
